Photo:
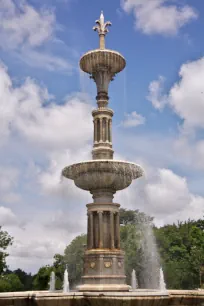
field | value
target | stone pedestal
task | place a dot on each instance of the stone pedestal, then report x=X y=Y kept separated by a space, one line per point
x=103 y=261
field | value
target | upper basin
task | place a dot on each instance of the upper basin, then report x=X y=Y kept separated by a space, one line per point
x=103 y=174
x=110 y=59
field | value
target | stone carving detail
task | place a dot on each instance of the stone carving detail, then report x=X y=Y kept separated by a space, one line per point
x=120 y=264
x=92 y=265
x=101 y=27
x=107 y=264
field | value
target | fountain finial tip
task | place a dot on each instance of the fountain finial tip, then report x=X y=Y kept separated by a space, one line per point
x=102 y=30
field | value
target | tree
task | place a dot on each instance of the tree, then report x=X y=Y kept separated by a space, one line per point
x=182 y=251
x=42 y=278
x=26 y=279
x=10 y=282
x=5 y=241
x=74 y=256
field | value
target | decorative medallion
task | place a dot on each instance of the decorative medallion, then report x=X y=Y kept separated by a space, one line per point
x=92 y=265
x=107 y=264
x=119 y=264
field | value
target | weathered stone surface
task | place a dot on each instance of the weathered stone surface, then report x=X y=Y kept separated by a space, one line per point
x=134 y=298
x=103 y=174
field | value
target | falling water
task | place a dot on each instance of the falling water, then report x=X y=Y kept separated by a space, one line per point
x=150 y=257
x=52 y=281
x=162 y=284
x=134 y=283
x=66 y=281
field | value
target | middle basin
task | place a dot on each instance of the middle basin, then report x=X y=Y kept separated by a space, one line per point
x=103 y=174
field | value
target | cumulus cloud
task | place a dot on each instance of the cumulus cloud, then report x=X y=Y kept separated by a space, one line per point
x=159 y=17
x=23 y=110
x=7 y=217
x=19 y=33
x=133 y=119
x=8 y=184
x=65 y=221
x=156 y=95
x=36 y=243
x=51 y=180
x=61 y=133
x=167 y=193
x=186 y=97
x=164 y=195
x=20 y=24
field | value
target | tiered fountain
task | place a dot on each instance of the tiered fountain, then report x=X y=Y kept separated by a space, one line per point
x=103 y=176
x=103 y=282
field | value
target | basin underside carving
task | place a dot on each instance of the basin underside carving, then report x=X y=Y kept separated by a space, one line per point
x=95 y=59
x=103 y=174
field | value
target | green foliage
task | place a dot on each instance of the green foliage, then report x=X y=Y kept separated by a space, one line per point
x=42 y=278
x=5 y=241
x=73 y=257
x=10 y=282
x=182 y=251
x=26 y=279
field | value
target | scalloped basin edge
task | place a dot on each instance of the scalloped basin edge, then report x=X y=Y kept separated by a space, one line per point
x=103 y=174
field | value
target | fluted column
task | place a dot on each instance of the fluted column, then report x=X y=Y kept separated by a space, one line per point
x=110 y=130
x=100 y=215
x=95 y=130
x=117 y=227
x=112 y=230
x=101 y=129
x=90 y=230
x=107 y=130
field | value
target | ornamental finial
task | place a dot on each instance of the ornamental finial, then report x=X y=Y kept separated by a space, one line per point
x=102 y=30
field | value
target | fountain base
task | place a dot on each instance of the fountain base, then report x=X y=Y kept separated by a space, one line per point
x=104 y=271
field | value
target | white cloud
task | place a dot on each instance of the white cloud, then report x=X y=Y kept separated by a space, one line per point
x=52 y=181
x=186 y=97
x=61 y=133
x=159 y=17
x=163 y=195
x=8 y=183
x=20 y=24
x=37 y=59
x=66 y=221
x=7 y=217
x=133 y=119
x=24 y=30
x=52 y=126
x=156 y=96
x=167 y=193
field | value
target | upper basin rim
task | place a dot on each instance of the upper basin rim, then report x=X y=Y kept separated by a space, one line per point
x=102 y=51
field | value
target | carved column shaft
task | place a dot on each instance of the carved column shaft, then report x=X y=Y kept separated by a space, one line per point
x=91 y=229
x=110 y=130
x=112 y=230
x=117 y=227
x=107 y=129
x=95 y=130
x=100 y=217
x=101 y=129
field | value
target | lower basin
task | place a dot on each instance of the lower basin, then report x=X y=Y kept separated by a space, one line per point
x=103 y=174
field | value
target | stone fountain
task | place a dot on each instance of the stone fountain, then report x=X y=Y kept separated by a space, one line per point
x=103 y=282
x=103 y=177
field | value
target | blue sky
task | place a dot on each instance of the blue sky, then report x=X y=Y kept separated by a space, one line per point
x=46 y=123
